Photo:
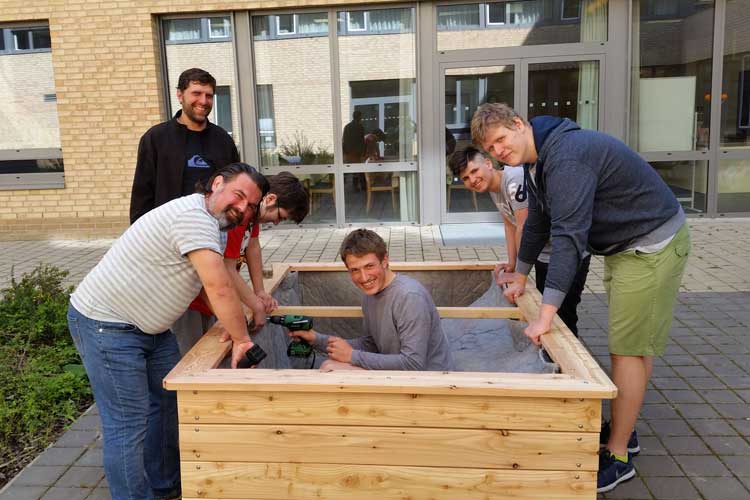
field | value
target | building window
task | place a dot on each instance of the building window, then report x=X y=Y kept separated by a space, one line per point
x=286 y=24
x=266 y=129
x=452 y=17
x=356 y=21
x=290 y=25
x=30 y=154
x=571 y=9
x=375 y=22
x=219 y=27
x=223 y=108
x=25 y=39
x=197 y=30
x=496 y=13
x=315 y=23
x=521 y=22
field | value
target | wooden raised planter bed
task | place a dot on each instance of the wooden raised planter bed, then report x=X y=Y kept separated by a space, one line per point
x=303 y=434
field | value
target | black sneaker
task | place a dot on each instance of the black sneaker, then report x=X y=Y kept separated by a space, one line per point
x=633 y=447
x=612 y=471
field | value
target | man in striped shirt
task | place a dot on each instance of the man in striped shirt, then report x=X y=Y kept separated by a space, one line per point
x=120 y=317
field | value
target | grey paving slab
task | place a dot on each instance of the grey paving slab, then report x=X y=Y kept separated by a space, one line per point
x=61 y=493
x=702 y=465
x=724 y=488
x=58 y=456
x=672 y=488
x=81 y=477
x=23 y=493
x=39 y=475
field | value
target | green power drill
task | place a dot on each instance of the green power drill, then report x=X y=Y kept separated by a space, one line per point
x=299 y=348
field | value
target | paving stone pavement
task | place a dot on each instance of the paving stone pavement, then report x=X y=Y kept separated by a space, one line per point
x=694 y=429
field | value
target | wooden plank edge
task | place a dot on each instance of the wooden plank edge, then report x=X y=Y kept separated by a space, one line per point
x=564 y=347
x=444 y=312
x=206 y=354
x=397 y=266
x=454 y=383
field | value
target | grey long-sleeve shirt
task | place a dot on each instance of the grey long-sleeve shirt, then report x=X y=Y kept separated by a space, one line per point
x=401 y=329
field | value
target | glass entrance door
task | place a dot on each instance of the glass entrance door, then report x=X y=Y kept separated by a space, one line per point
x=464 y=89
x=563 y=87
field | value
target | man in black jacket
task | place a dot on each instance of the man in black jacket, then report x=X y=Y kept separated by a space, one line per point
x=174 y=155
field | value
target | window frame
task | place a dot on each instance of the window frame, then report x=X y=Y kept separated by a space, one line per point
x=9 y=42
x=279 y=34
x=205 y=33
x=365 y=21
x=562 y=10
x=487 y=21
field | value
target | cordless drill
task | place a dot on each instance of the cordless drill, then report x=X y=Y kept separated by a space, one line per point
x=299 y=348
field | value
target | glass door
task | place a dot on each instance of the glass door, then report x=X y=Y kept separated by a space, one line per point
x=463 y=90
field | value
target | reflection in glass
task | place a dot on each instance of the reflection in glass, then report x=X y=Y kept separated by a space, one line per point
x=377 y=64
x=40 y=38
x=293 y=98
x=671 y=78
x=378 y=96
x=21 y=39
x=688 y=182
x=734 y=185
x=735 y=89
x=321 y=188
x=380 y=196
x=520 y=22
x=567 y=89
x=465 y=90
x=215 y=56
x=29 y=117
x=181 y=30
x=219 y=27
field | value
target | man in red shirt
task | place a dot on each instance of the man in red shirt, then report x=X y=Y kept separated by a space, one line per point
x=286 y=200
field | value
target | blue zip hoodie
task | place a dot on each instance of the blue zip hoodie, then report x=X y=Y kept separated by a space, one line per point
x=589 y=191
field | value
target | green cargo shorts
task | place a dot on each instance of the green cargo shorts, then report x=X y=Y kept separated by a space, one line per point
x=641 y=290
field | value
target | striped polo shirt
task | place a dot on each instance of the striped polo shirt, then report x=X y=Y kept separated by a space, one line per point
x=146 y=279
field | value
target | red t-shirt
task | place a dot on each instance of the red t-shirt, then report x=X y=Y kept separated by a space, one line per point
x=233 y=250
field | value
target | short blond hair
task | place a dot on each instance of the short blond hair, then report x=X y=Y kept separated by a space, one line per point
x=490 y=115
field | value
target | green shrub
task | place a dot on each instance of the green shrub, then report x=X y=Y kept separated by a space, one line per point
x=41 y=390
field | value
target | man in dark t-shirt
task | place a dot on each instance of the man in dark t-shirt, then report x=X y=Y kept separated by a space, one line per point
x=175 y=155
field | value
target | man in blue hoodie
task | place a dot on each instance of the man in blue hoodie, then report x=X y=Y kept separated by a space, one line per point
x=589 y=192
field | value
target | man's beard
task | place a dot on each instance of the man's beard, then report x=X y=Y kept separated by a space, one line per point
x=225 y=223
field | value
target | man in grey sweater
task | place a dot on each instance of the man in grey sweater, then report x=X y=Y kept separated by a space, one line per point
x=401 y=325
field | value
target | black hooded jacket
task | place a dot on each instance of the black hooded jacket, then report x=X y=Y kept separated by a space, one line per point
x=161 y=162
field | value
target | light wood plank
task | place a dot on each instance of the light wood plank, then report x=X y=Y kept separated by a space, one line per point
x=270 y=481
x=390 y=382
x=573 y=358
x=399 y=266
x=398 y=410
x=444 y=312
x=206 y=354
x=436 y=447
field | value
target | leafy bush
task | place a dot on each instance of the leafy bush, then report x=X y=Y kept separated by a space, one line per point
x=42 y=387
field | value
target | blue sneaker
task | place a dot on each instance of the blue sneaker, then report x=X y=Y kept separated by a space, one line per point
x=612 y=471
x=633 y=447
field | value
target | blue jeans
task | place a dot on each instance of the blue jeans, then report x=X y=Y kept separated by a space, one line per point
x=139 y=417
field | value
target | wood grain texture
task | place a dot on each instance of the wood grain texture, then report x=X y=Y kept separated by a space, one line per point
x=397 y=410
x=422 y=446
x=444 y=312
x=266 y=481
x=390 y=382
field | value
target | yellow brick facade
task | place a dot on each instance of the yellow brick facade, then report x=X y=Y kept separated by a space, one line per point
x=107 y=72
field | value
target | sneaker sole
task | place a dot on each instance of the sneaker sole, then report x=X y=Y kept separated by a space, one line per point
x=627 y=477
